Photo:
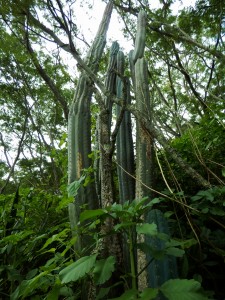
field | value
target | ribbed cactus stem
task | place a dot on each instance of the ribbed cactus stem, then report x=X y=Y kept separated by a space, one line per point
x=79 y=148
x=97 y=170
x=125 y=154
x=79 y=126
x=110 y=82
x=132 y=70
x=164 y=269
x=140 y=36
x=124 y=141
x=143 y=148
x=95 y=53
x=107 y=194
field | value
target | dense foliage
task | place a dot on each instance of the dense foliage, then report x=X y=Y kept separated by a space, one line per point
x=146 y=152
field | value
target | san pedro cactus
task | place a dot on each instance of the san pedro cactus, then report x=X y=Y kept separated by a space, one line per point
x=124 y=141
x=143 y=147
x=159 y=271
x=107 y=194
x=140 y=36
x=79 y=127
x=162 y=270
x=103 y=178
x=125 y=152
x=110 y=82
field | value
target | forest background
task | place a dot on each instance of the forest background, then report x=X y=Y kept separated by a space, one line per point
x=112 y=163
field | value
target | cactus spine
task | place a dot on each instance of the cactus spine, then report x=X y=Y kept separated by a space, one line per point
x=79 y=126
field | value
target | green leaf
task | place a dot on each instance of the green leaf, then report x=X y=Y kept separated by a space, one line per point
x=124 y=225
x=73 y=187
x=175 y=252
x=116 y=207
x=28 y=286
x=176 y=289
x=149 y=294
x=148 y=229
x=54 y=293
x=223 y=172
x=92 y=213
x=55 y=237
x=156 y=253
x=78 y=269
x=103 y=269
x=31 y=273
x=17 y=237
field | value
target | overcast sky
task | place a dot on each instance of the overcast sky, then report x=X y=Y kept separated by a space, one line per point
x=89 y=19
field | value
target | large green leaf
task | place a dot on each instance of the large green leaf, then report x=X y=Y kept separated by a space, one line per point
x=27 y=287
x=55 y=237
x=149 y=229
x=92 y=213
x=74 y=186
x=149 y=294
x=176 y=289
x=78 y=269
x=175 y=251
x=103 y=269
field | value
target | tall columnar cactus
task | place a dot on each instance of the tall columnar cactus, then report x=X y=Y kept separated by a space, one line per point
x=111 y=243
x=140 y=80
x=110 y=82
x=139 y=46
x=107 y=194
x=103 y=166
x=143 y=147
x=159 y=271
x=124 y=149
x=124 y=141
x=79 y=126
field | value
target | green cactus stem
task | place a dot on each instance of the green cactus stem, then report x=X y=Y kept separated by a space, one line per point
x=124 y=141
x=159 y=271
x=110 y=82
x=143 y=147
x=107 y=195
x=79 y=127
x=131 y=62
x=140 y=36
x=125 y=154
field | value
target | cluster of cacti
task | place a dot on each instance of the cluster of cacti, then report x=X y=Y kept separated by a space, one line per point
x=79 y=139
x=79 y=126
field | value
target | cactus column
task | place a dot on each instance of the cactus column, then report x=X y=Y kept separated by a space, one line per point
x=143 y=148
x=158 y=271
x=79 y=126
x=124 y=150
x=124 y=140
x=105 y=147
